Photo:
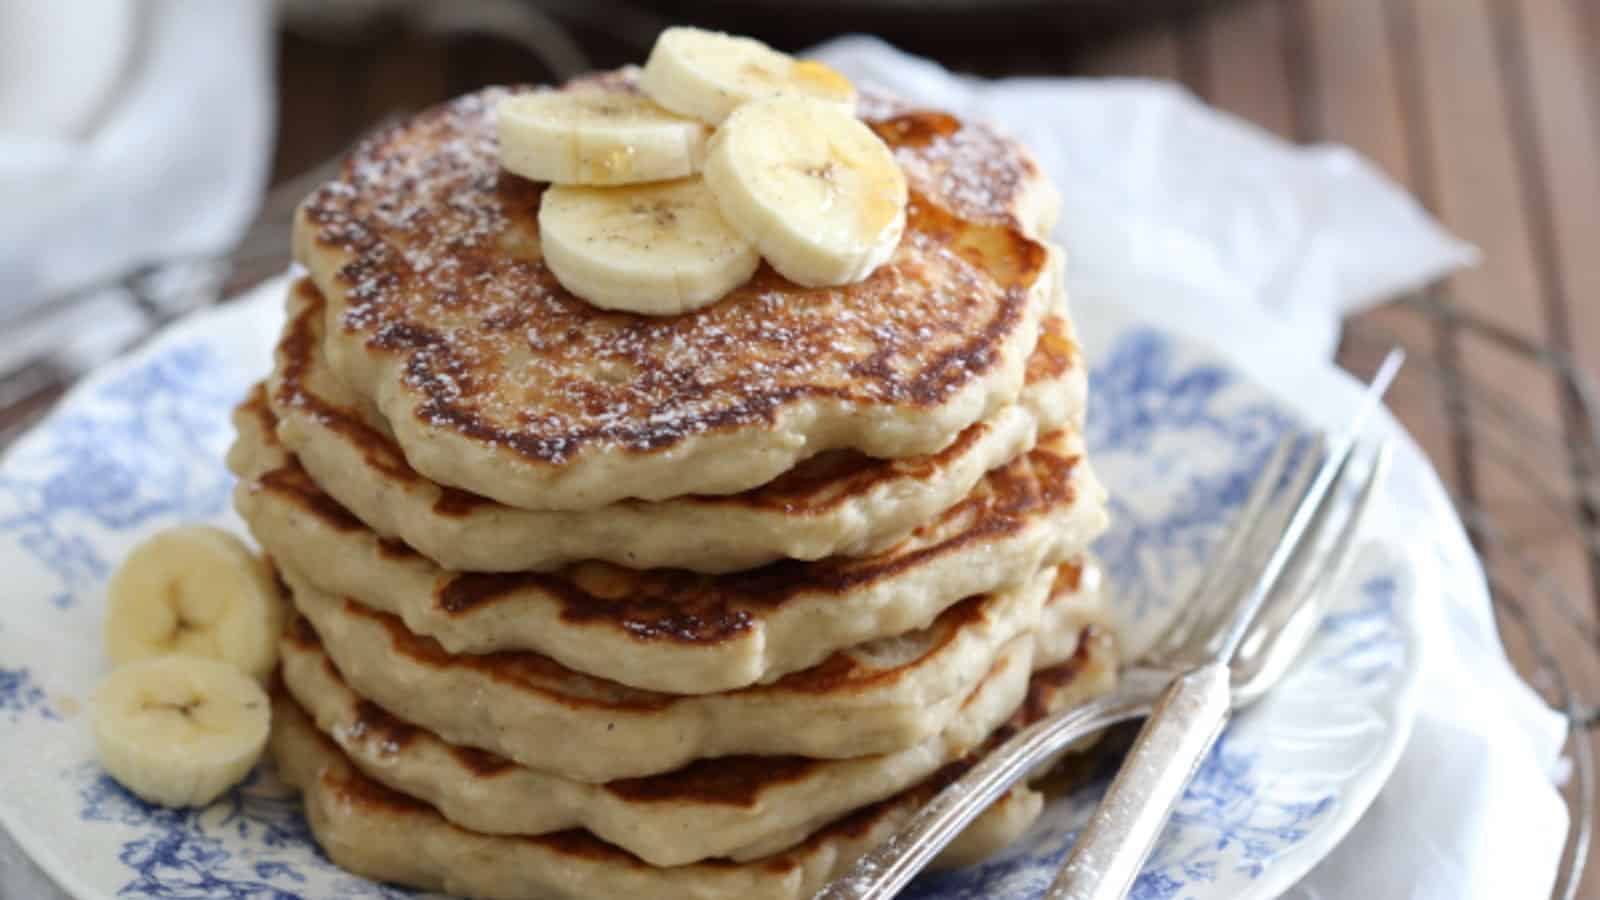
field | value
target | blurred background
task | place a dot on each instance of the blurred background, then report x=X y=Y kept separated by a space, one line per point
x=1488 y=111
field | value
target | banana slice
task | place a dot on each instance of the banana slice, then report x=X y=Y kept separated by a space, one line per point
x=198 y=591
x=180 y=730
x=596 y=138
x=707 y=75
x=657 y=249
x=818 y=193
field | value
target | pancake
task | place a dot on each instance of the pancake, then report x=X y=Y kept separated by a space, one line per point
x=709 y=808
x=495 y=380
x=838 y=503
x=876 y=698
x=671 y=630
x=390 y=836
x=978 y=173
x=716 y=807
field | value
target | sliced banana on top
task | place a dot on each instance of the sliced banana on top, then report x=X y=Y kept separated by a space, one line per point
x=596 y=138
x=708 y=74
x=816 y=190
x=180 y=730
x=657 y=249
x=197 y=591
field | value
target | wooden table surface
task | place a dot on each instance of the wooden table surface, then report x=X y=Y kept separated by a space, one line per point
x=1488 y=110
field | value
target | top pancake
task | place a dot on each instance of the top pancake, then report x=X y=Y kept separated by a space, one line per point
x=496 y=380
x=836 y=503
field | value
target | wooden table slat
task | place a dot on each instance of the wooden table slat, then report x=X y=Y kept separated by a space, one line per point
x=1477 y=189
x=1358 y=95
x=1357 y=100
x=407 y=72
x=1482 y=194
x=1560 y=104
x=1247 y=64
x=1152 y=53
x=317 y=109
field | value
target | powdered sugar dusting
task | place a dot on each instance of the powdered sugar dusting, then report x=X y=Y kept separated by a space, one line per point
x=972 y=169
x=446 y=277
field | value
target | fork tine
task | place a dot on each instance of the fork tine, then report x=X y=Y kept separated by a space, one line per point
x=1269 y=531
x=1240 y=530
x=1279 y=465
x=1306 y=509
x=1209 y=639
x=1231 y=573
x=1302 y=597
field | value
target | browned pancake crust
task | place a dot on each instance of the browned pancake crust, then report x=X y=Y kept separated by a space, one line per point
x=442 y=278
x=722 y=781
x=1096 y=653
x=839 y=675
x=726 y=780
x=814 y=487
x=689 y=607
x=693 y=608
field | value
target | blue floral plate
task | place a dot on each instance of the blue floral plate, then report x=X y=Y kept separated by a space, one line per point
x=1175 y=433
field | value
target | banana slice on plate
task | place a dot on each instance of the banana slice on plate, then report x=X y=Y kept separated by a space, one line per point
x=180 y=730
x=197 y=591
x=707 y=75
x=816 y=190
x=657 y=249
x=596 y=138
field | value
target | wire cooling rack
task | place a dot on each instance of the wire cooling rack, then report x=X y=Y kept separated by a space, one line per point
x=1539 y=538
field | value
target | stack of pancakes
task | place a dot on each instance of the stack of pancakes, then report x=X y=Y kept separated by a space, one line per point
x=595 y=604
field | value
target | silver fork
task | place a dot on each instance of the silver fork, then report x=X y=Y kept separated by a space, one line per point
x=1237 y=634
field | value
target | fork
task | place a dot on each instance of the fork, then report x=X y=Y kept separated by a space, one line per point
x=1237 y=634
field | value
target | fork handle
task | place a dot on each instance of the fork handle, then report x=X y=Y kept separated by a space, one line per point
x=888 y=867
x=1112 y=849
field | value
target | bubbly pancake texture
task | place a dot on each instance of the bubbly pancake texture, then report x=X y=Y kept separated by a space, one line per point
x=667 y=629
x=839 y=503
x=387 y=835
x=874 y=698
x=739 y=806
x=496 y=380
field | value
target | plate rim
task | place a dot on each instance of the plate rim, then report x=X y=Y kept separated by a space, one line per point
x=1401 y=705
x=1406 y=706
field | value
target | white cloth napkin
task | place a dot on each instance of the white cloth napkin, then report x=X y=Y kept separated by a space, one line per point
x=131 y=131
x=1258 y=246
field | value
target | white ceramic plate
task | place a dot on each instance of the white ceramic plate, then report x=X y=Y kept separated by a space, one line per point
x=1175 y=433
